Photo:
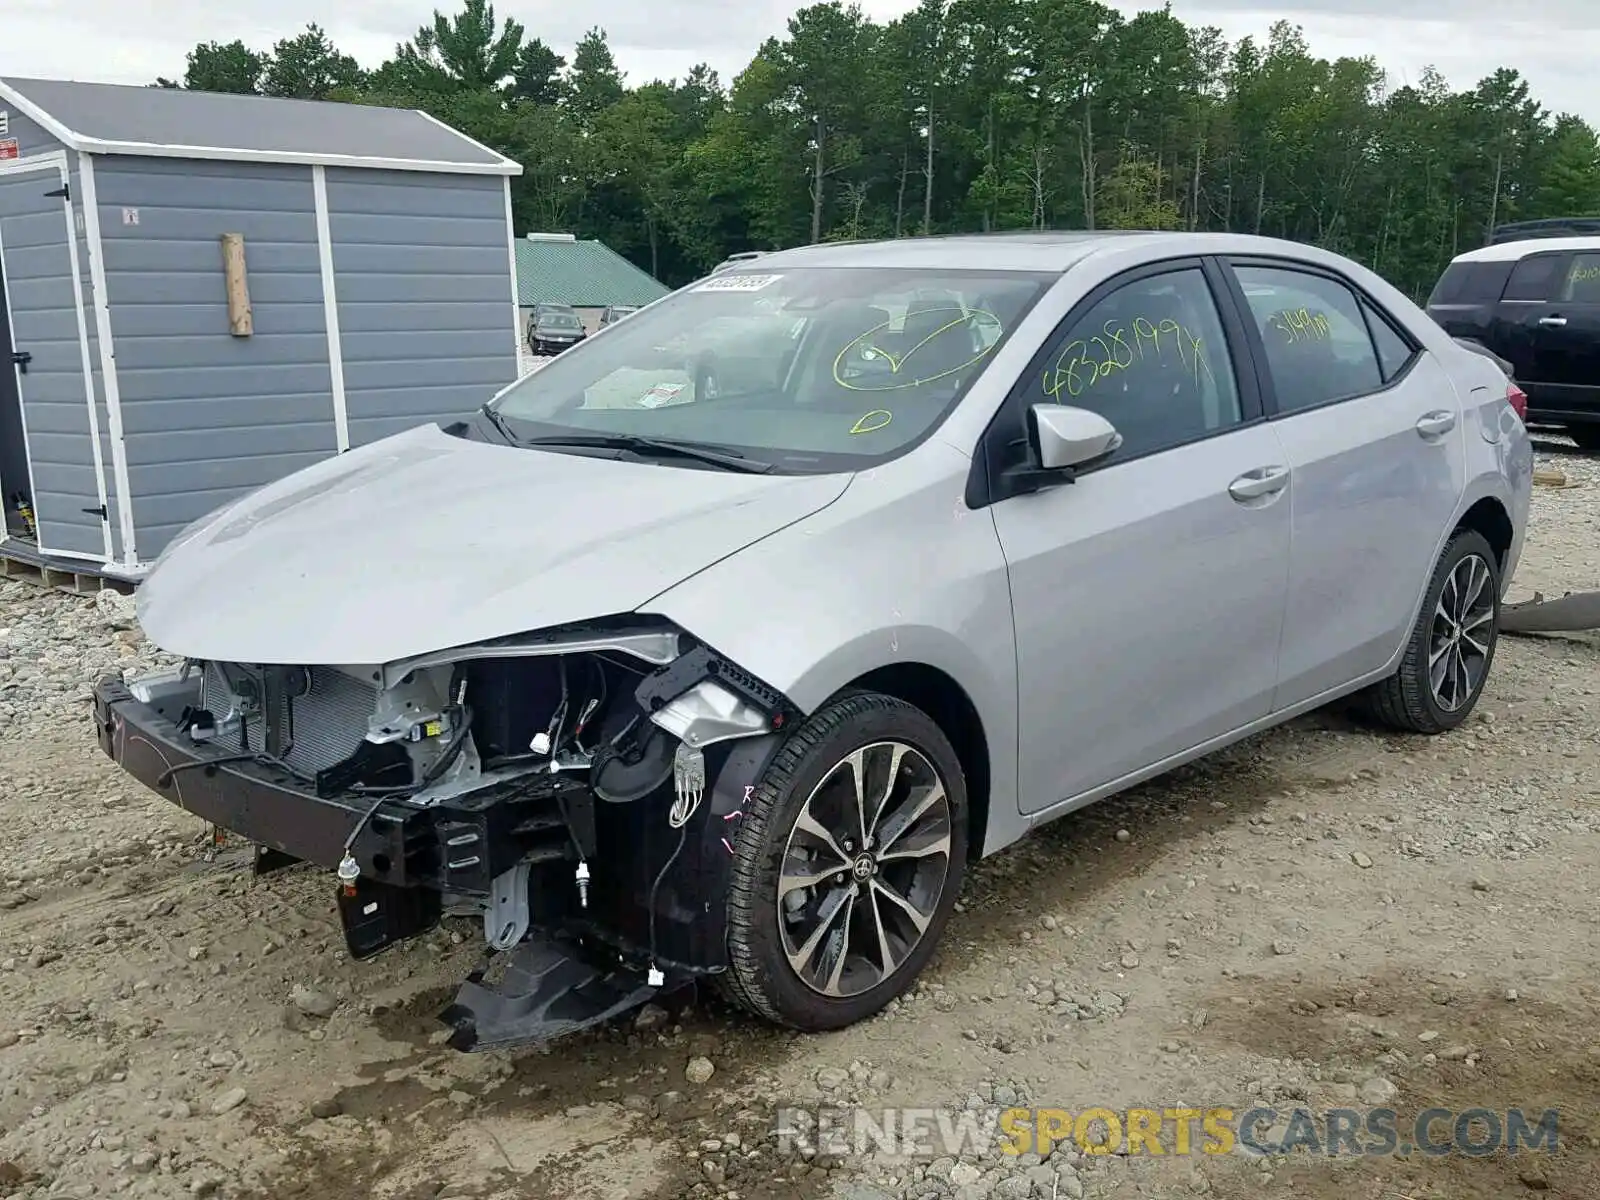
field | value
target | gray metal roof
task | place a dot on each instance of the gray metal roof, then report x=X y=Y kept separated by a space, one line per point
x=109 y=118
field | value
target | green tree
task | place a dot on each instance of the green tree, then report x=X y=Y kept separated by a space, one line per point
x=594 y=84
x=309 y=67
x=972 y=115
x=233 y=67
x=828 y=53
x=537 y=77
x=471 y=51
x=1569 y=179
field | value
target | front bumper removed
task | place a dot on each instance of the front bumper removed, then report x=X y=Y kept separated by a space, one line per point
x=573 y=969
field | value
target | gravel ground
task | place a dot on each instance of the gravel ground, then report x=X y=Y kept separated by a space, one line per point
x=1322 y=916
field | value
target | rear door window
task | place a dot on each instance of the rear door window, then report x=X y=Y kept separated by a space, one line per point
x=1534 y=278
x=1582 y=285
x=1316 y=341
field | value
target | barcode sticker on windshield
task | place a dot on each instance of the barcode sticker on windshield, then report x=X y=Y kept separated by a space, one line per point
x=737 y=283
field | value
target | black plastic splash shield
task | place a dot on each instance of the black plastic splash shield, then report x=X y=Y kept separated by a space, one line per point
x=547 y=993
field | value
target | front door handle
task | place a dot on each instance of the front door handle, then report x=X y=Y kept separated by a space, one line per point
x=1553 y=322
x=1263 y=481
x=1436 y=424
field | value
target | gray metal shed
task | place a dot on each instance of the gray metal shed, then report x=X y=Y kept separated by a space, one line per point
x=157 y=376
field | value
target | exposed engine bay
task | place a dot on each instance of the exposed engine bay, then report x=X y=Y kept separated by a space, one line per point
x=553 y=786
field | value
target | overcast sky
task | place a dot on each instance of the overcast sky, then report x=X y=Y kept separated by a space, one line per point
x=1555 y=43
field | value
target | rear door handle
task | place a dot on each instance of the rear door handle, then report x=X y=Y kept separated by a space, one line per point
x=1553 y=322
x=1263 y=481
x=1436 y=424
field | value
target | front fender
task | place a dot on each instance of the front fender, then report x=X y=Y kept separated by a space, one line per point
x=897 y=571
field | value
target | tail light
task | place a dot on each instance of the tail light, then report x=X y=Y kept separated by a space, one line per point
x=1518 y=399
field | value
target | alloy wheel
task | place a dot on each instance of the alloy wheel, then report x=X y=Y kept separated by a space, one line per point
x=1462 y=634
x=864 y=868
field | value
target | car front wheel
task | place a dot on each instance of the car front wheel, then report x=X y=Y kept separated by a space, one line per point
x=1452 y=644
x=848 y=859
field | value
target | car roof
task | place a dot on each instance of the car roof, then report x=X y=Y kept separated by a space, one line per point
x=1511 y=251
x=1029 y=250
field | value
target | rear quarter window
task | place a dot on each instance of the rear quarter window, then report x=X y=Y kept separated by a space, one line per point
x=1471 y=283
x=1395 y=351
x=1534 y=278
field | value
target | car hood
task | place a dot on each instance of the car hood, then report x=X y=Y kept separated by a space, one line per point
x=426 y=541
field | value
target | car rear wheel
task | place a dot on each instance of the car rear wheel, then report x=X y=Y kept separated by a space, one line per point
x=847 y=862
x=1452 y=644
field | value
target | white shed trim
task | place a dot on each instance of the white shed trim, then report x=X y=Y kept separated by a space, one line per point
x=516 y=289
x=108 y=359
x=57 y=160
x=508 y=162
x=330 y=308
x=34 y=162
x=236 y=154
x=27 y=445
x=45 y=121
x=88 y=371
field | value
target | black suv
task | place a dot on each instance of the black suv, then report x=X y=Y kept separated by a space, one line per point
x=554 y=328
x=1534 y=302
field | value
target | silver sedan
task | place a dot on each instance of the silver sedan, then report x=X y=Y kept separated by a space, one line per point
x=720 y=646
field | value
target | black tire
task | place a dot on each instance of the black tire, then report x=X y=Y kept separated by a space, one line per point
x=1407 y=700
x=1587 y=437
x=760 y=977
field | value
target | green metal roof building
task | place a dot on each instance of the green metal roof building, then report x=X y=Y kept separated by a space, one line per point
x=557 y=268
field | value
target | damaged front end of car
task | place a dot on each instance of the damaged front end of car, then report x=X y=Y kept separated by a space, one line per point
x=575 y=789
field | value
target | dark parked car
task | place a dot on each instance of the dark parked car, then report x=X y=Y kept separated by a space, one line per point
x=554 y=328
x=1536 y=304
x=737 y=260
x=1521 y=231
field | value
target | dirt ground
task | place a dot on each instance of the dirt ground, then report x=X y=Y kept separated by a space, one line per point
x=1322 y=917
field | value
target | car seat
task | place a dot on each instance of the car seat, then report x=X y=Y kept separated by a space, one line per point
x=839 y=329
x=943 y=342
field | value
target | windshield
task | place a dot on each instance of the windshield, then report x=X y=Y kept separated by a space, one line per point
x=811 y=369
x=558 y=318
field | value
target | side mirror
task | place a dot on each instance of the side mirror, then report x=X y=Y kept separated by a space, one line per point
x=1063 y=438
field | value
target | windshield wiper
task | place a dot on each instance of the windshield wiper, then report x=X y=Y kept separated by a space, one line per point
x=499 y=423
x=726 y=459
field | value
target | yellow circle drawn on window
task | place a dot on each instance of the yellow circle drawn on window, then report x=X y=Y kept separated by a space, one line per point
x=871 y=351
x=873 y=421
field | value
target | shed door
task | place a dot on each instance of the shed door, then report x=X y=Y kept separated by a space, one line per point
x=50 y=346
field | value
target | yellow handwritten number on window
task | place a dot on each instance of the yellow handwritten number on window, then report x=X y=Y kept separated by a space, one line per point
x=872 y=421
x=1300 y=325
x=1141 y=343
